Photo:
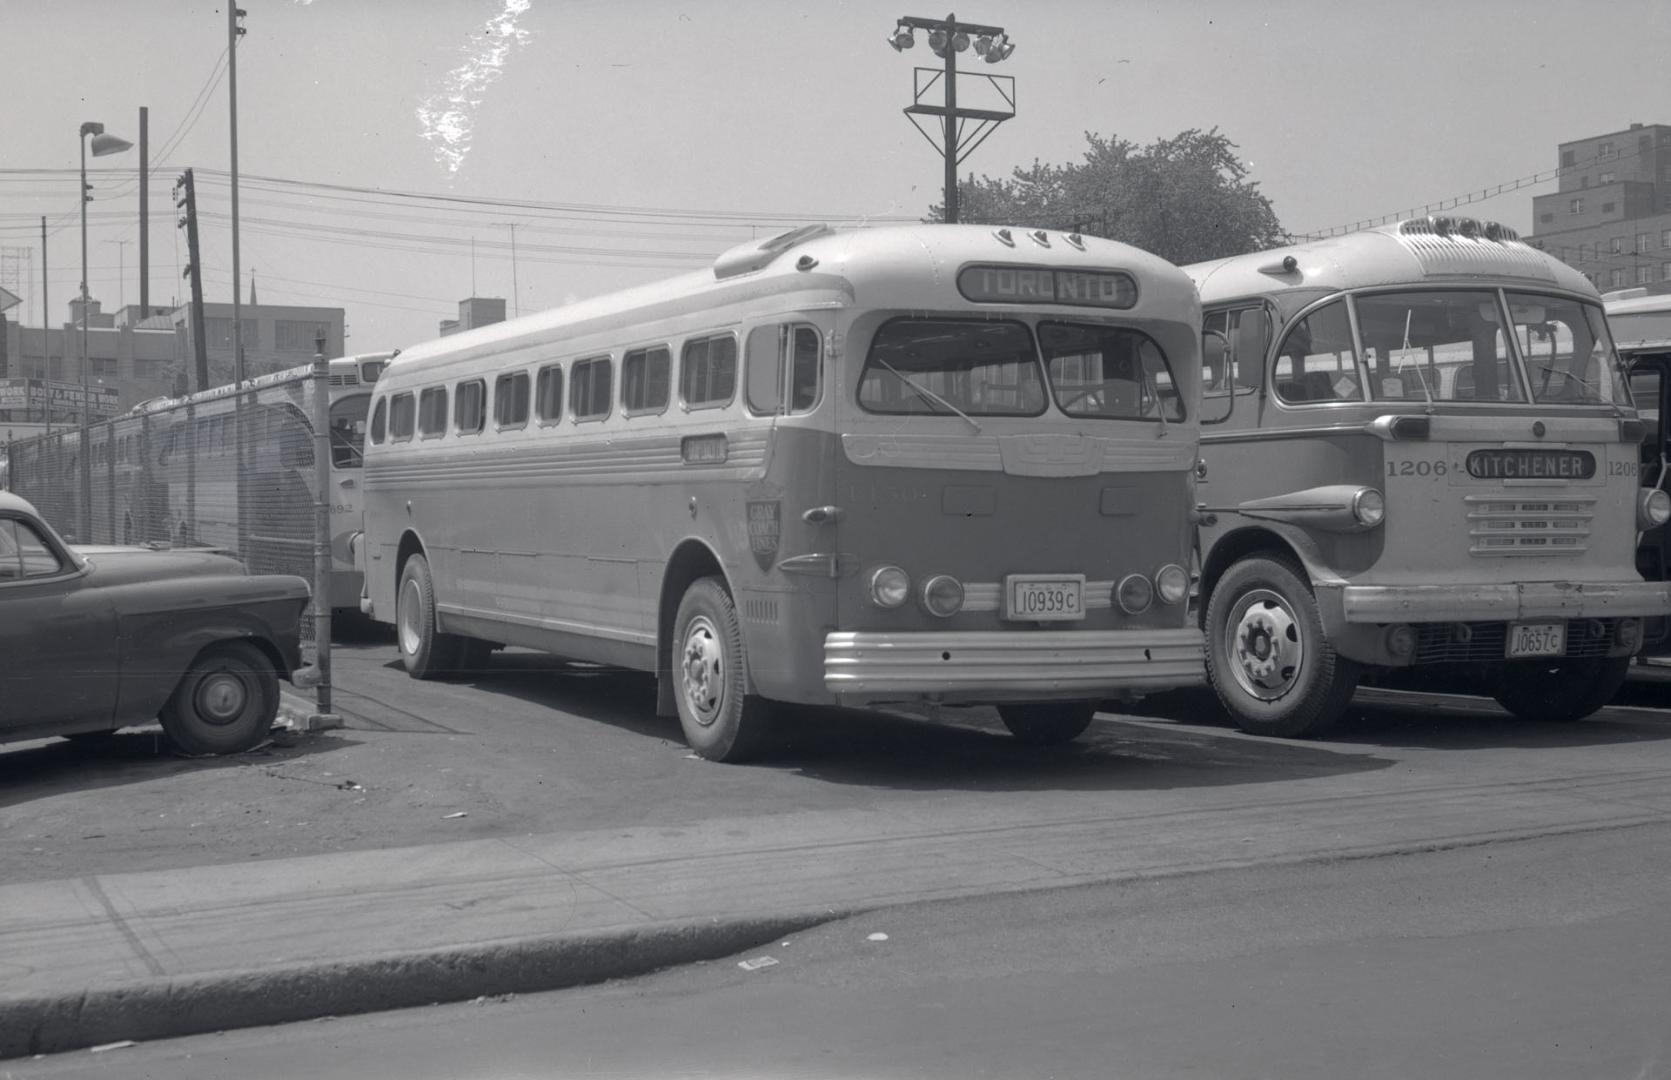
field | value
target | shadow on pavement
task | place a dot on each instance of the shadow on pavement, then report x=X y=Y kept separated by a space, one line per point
x=55 y=766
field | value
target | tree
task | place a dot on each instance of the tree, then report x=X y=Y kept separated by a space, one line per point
x=1185 y=199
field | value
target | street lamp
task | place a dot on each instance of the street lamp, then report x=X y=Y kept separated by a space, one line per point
x=946 y=38
x=103 y=144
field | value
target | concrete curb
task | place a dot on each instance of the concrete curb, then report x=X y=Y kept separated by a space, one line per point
x=196 y=1005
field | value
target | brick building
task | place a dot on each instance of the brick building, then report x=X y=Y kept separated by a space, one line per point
x=1611 y=217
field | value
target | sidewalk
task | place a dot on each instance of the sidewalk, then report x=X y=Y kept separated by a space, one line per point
x=157 y=954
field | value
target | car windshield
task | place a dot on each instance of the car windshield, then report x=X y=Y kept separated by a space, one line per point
x=1438 y=345
x=1569 y=355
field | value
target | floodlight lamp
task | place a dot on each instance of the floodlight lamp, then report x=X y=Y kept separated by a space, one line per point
x=901 y=38
x=982 y=43
x=937 y=42
x=961 y=42
x=1000 y=49
x=108 y=144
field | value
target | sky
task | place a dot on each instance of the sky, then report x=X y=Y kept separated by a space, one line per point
x=391 y=153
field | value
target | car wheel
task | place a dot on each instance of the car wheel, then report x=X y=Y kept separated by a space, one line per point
x=1560 y=691
x=225 y=703
x=1047 y=723
x=1266 y=654
x=720 y=721
x=426 y=652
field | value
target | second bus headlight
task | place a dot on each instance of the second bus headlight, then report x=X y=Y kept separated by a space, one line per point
x=1653 y=509
x=1171 y=583
x=943 y=595
x=889 y=587
x=1134 y=594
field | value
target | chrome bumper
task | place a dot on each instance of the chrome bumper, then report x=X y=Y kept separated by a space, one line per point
x=1492 y=603
x=1001 y=665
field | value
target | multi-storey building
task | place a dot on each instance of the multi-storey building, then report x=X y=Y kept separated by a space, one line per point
x=1611 y=217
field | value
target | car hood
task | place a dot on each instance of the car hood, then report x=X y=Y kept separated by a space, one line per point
x=115 y=565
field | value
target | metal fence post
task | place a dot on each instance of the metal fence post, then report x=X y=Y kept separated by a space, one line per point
x=321 y=416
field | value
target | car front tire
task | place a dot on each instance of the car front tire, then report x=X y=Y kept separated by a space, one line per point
x=225 y=703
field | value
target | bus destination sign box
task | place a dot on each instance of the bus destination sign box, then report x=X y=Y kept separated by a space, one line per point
x=984 y=284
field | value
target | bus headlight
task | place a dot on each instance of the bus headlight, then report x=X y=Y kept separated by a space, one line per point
x=1653 y=508
x=1369 y=507
x=1134 y=594
x=943 y=595
x=1172 y=583
x=889 y=587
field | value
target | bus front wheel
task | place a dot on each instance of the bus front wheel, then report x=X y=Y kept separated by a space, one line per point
x=1266 y=654
x=721 y=722
x=426 y=652
x=1047 y=723
x=1559 y=691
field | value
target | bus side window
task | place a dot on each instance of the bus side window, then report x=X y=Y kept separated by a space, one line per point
x=1317 y=361
x=783 y=369
x=510 y=400
x=470 y=407
x=379 y=421
x=763 y=370
x=548 y=394
x=806 y=369
x=402 y=408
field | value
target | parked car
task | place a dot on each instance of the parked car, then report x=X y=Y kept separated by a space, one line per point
x=97 y=638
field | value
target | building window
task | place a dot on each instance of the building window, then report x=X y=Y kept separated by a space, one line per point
x=1568 y=158
x=1642 y=239
x=1616 y=245
x=708 y=371
x=510 y=400
x=1607 y=207
x=1644 y=274
x=1545 y=219
x=1576 y=206
x=217 y=333
x=589 y=388
x=1606 y=178
x=646 y=380
x=292 y=335
x=1665 y=238
x=1665 y=271
x=1618 y=278
x=1605 y=151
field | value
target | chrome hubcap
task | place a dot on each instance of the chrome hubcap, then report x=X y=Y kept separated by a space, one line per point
x=221 y=697
x=702 y=668
x=411 y=606
x=1267 y=649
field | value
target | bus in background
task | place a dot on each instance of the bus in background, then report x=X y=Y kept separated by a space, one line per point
x=937 y=465
x=202 y=506
x=1641 y=326
x=1421 y=456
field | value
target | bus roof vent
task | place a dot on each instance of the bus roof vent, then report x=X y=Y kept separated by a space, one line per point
x=757 y=254
x=1463 y=245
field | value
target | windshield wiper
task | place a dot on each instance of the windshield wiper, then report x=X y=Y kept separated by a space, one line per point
x=927 y=394
x=1405 y=351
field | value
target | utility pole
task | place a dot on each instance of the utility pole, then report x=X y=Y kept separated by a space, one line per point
x=233 y=33
x=947 y=37
x=187 y=200
x=46 y=336
x=144 y=212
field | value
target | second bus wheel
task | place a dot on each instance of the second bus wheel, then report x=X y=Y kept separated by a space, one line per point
x=1047 y=723
x=426 y=652
x=1266 y=653
x=1559 y=691
x=709 y=670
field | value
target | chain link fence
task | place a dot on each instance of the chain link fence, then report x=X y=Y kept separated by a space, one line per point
x=239 y=471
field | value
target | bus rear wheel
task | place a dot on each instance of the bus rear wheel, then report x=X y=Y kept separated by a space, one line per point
x=1047 y=723
x=1560 y=691
x=720 y=720
x=426 y=651
x=1266 y=654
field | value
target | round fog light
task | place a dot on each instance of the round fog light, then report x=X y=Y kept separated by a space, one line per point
x=1628 y=634
x=1172 y=583
x=889 y=587
x=1401 y=642
x=1134 y=594
x=1654 y=509
x=943 y=595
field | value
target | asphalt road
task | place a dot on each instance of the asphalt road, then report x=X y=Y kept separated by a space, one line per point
x=1530 y=959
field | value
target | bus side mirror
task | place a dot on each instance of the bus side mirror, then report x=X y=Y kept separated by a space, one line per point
x=1252 y=343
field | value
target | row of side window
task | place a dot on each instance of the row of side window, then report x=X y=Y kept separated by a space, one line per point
x=785 y=373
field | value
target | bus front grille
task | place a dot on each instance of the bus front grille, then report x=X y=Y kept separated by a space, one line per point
x=1509 y=526
x=1438 y=643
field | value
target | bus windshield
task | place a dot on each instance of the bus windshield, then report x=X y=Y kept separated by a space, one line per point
x=1108 y=372
x=1439 y=345
x=1569 y=355
x=948 y=366
x=348 y=430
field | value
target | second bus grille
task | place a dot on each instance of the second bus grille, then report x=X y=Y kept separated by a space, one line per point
x=1505 y=526
x=1438 y=643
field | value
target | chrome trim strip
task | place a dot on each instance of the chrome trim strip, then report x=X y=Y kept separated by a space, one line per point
x=1489 y=603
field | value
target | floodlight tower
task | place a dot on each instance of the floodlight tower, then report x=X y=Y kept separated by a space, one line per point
x=947 y=37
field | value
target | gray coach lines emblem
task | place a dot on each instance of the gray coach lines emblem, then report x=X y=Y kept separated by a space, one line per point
x=765 y=526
